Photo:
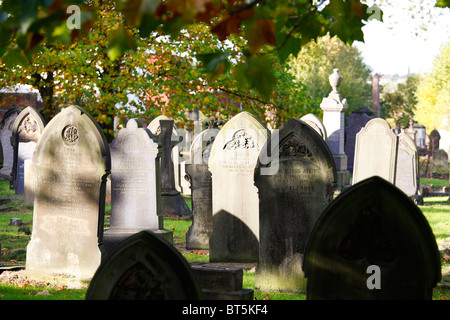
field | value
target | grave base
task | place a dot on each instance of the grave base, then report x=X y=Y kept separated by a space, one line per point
x=221 y=282
x=174 y=205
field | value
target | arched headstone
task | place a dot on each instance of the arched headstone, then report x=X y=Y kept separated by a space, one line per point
x=144 y=267
x=290 y=202
x=26 y=131
x=135 y=185
x=71 y=163
x=232 y=162
x=372 y=242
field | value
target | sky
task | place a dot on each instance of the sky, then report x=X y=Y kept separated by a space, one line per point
x=392 y=46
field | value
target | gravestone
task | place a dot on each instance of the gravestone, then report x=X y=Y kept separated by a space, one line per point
x=375 y=152
x=407 y=173
x=290 y=202
x=26 y=131
x=372 y=242
x=232 y=162
x=316 y=124
x=135 y=185
x=334 y=107
x=355 y=122
x=144 y=267
x=1 y=155
x=172 y=203
x=71 y=162
x=6 y=126
x=199 y=177
x=155 y=128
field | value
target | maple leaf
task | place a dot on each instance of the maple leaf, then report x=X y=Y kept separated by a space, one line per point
x=188 y=8
x=231 y=23
x=260 y=33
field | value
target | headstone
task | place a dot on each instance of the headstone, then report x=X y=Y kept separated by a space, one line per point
x=316 y=124
x=26 y=131
x=290 y=202
x=375 y=152
x=144 y=267
x=407 y=172
x=232 y=162
x=6 y=126
x=334 y=108
x=372 y=242
x=172 y=202
x=71 y=163
x=135 y=185
x=155 y=128
x=355 y=122
x=199 y=233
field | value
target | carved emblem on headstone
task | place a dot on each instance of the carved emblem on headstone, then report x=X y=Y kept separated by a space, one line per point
x=70 y=134
x=294 y=148
x=241 y=140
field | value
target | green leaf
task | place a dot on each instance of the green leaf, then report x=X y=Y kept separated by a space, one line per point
x=289 y=45
x=442 y=3
x=260 y=75
x=215 y=63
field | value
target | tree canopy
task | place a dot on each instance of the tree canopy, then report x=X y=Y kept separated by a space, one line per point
x=433 y=93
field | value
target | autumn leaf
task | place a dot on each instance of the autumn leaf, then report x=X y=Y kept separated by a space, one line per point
x=231 y=23
x=260 y=33
x=446 y=257
x=188 y=8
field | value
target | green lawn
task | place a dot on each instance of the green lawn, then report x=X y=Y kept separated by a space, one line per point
x=13 y=244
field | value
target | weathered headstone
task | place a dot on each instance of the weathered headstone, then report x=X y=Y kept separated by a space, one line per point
x=375 y=152
x=144 y=267
x=372 y=242
x=135 y=185
x=6 y=126
x=71 y=163
x=232 y=162
x=407 y=172
x=355 y=122
x=316 y=124
x=290 y=202
x=197 y=237
x=26 y=131
x=334 y=108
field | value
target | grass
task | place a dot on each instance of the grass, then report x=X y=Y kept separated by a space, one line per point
x=13 y=244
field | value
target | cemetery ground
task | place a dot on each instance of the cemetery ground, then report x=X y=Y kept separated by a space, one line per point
x=14 y=239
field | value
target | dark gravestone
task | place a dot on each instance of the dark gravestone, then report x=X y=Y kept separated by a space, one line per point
x=290 y=202
x=199 y=177
x=6 y=126
x=1 y=155
x=26 y=131
x=355 y=122
x=221 y=282
x=372 y=242
x=135 y=185
x=144 y=267
x=172 y=203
